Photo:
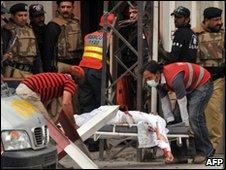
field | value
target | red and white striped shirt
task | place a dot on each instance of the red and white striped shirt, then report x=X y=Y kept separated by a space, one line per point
x=50 y=85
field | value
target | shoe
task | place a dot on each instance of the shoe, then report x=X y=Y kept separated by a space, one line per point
x=199 y=159
x=177 y=161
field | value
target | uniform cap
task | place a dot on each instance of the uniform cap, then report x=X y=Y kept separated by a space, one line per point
x=18 y=7
x=212 y=12
x=36 y=9
x=110 y=19
x=181 y=12
x=3 y=8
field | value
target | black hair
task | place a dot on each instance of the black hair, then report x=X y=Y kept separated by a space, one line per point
x=58 y=2
x=153 y=66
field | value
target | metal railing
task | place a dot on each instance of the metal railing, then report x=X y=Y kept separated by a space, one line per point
x=144 y=28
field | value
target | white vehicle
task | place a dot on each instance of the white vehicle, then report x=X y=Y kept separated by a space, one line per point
x=24 y=134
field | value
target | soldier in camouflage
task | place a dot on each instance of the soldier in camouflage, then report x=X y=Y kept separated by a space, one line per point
x=211 y=55
x=63 y=41
x=20 y=54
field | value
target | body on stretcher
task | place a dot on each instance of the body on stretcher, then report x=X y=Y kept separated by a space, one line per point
x=149 y=129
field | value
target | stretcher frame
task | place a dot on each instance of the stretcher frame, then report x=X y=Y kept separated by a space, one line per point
x=178 y=134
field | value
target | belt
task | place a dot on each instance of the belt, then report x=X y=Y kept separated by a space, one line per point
x=21 y=66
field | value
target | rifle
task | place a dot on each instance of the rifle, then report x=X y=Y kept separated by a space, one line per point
x=8 y=54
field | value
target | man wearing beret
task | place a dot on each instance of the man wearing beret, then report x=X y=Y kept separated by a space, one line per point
x=19 y=44
x=63 y=41
x=37 y=21
x=185 y=42
x=211 y=55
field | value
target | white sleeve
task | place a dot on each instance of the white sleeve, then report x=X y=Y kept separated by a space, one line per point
x=167 y=109
x=183 y=110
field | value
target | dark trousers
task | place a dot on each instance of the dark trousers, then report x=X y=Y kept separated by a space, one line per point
x=89 y=94
x=197 y=102
x=90 y=91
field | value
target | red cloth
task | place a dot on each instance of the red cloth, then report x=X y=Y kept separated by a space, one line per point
x=50 y=85
x=171 y=70
x=78 y=70
x=110 y=19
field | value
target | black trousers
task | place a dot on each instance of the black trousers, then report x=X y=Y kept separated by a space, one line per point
x=90 y=91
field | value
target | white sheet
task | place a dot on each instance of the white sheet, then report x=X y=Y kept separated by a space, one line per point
x=145 y=138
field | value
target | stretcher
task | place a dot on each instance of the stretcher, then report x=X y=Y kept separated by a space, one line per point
x=130 y=131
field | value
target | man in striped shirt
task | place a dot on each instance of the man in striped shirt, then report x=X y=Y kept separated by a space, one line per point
x=42 y=89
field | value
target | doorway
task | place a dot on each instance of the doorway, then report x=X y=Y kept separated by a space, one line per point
x=91 y=11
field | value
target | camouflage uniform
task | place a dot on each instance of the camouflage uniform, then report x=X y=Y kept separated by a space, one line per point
x=63 y=46
x=211 y=55
x=68 y=48
x=21 y=51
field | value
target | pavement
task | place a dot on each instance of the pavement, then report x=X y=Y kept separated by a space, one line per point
x=127 y=160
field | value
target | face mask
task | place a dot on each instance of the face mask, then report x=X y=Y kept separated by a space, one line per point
x=152 y=83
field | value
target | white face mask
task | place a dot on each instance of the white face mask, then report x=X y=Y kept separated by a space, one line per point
x=152 y=83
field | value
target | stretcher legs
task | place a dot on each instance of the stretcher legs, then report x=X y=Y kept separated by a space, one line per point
x=101 y=149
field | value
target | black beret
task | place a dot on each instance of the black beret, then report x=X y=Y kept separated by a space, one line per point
x=181 y=12
x=58 y=2
x=36 y=10
x=212 y=12
x=18 y=7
